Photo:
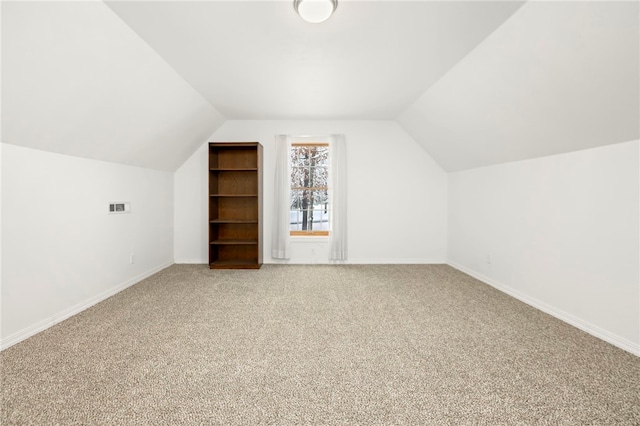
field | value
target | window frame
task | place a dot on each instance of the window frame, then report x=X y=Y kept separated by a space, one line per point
x=312 y=233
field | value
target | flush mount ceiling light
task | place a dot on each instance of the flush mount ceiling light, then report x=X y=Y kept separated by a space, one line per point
x=315 y=11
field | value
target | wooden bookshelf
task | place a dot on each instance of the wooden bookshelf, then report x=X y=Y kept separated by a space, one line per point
x=235 y=205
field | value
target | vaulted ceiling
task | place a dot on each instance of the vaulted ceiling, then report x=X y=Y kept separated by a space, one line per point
x=555 y=77
x=475 y=83
x=259 y=60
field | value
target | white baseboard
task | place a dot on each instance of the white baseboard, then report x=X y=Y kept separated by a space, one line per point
x=76 y=309
x=328 y=262
x=357 y=262
x=396 y=262
x=585 y=326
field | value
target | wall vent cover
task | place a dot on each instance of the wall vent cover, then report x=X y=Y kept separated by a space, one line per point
x=119 y=207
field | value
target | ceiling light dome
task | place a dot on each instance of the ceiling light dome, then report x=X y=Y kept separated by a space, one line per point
x=315 y=11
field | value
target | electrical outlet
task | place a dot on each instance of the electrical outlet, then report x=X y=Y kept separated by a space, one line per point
x=488 y=259
x=132 y=259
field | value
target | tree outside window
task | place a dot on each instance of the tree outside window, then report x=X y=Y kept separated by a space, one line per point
x=309 y=208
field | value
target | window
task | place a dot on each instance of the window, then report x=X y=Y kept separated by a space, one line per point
x=309 y=208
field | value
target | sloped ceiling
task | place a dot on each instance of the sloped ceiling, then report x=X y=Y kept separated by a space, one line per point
x=475 y=83
x=259 y=60
x=556 y=77
x=76 y=80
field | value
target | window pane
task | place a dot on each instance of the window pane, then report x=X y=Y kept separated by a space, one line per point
x=294 y=220
x=320 y=199
x=323 y=223
x=309 y=156
x=297 y=177
x=309 y=207
x=309 y=176
x=319 y=156
x=307 y=220
x=306 y=200
x=301 y=156
x=296 y=199
x=319 y=177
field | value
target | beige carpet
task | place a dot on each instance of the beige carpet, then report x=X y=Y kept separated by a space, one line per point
x=288 y=345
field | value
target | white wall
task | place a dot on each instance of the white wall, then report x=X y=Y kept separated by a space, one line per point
x=556 y=77
x=562 y=234
x=1 y=244
x=396 y=194
x=61 y=251
x=76 y=72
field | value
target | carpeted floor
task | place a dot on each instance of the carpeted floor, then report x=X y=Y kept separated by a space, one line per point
x=289 y=345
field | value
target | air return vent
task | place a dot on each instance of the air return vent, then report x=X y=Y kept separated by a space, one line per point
x=119 y=207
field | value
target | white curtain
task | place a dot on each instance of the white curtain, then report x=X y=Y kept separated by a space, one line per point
x=280 y=240
x=338 y=198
